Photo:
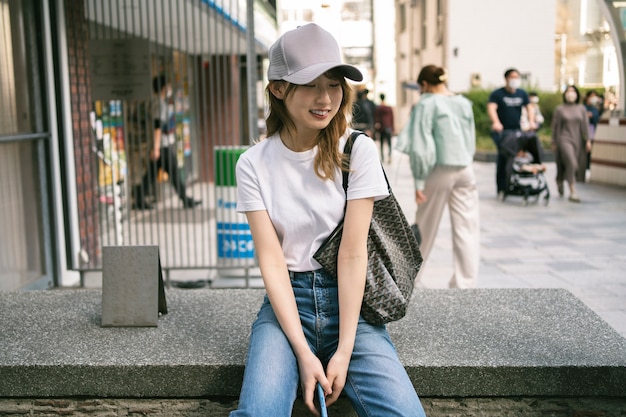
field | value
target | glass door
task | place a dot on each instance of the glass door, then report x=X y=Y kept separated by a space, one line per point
x=24 y=256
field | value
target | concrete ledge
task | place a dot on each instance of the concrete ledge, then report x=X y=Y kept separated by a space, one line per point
x=454 y=343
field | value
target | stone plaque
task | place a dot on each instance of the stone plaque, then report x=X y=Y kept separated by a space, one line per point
x=131 y=285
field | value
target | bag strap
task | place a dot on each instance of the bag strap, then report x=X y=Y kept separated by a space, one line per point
x=347 y=150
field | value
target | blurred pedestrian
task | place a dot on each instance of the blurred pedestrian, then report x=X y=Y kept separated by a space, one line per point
x=570 y=141
x=384 y=125
x=309 y=328
x=140 y=140
x=593 y=114
x=534 y=103
x=602 y=105
x=163 y=153
x=440 y=139
x=363 y=115
x=505 y=111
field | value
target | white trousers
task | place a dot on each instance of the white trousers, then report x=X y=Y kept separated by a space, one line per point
x=455 y=187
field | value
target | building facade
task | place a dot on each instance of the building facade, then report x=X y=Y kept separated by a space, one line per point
x=476 y=41
x=72 y=77
x=551 y=42
x=350 y=22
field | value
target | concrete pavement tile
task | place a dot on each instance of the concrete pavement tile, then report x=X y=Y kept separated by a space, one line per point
x=489 y=269
x=562 y=252
x=614 y=268
x=598 y=246
x=576 y=277
x=604 y=303
x=498 y=254
x=570 y=266
x=534 y=257
x=521 y=270
x=505 y=242
x=614 y=231
x=545 y=237
x=586 y=280
x=616 y=287
x=438 y=278
x=499 y=281
x=534 y=254
x=590 y=292
x=542 y=280
x=616 y=318
x=575 y=235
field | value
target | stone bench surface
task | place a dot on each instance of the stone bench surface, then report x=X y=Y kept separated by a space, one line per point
x=453 y=343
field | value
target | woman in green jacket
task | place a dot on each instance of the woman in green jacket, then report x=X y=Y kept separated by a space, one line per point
x=440 y=139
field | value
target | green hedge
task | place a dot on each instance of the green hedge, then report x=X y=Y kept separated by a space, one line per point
x=479 y=100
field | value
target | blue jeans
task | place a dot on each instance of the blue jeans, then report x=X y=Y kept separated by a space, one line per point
x=377 y=383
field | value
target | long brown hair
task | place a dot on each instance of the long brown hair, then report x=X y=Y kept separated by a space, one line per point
x=328 y=156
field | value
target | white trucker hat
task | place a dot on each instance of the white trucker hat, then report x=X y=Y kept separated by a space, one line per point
x=303 y=54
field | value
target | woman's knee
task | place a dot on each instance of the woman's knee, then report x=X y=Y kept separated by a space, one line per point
x=377 y=381
x=271 y=373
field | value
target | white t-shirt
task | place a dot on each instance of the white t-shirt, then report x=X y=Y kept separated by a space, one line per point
x=165 y=112
x=303 y=208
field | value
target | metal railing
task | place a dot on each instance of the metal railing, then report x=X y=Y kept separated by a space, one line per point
x=202 y=49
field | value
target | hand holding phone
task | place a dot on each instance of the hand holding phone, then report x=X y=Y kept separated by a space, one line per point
x=322 y=400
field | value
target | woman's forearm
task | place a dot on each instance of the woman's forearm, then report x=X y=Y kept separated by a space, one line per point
x=352 y=268
x=351 y=286
x=276 y=279
x=280 y=294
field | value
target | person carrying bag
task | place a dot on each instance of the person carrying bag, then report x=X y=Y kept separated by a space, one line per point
x=310 y=329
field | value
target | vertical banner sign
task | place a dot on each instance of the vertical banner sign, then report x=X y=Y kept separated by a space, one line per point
x=234 y=240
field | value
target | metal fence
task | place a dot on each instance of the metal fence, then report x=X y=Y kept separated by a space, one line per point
x=195 y=52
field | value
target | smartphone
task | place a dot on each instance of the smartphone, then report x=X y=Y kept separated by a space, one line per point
x=322 y=400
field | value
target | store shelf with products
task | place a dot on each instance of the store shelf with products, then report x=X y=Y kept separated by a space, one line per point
x=108 y=129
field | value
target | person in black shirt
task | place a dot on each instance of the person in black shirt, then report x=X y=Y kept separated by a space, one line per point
x=363 y=117
x=505 y=111
x=593 y=113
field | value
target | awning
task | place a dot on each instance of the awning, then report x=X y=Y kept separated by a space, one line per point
x=192 y=26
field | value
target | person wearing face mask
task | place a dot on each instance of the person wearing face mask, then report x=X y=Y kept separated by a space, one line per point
x=570 y=141
x=504 y=109
x=534 y=103
x=163 y=153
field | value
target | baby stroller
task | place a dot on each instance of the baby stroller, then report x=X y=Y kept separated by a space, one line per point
x=524 y=167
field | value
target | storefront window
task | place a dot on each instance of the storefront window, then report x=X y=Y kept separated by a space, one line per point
x=22 y=138
x=18 y=48
x=21 y=253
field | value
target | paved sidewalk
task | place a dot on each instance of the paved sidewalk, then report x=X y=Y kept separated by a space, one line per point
x=578 y=247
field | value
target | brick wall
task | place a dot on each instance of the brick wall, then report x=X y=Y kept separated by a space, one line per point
x=221 y=103
x=80 y=92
